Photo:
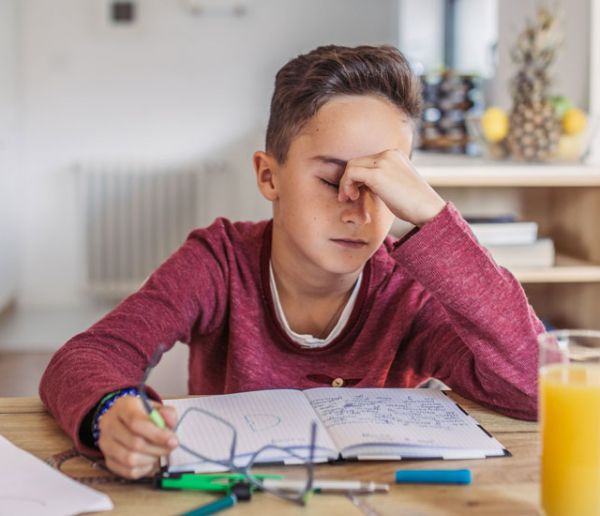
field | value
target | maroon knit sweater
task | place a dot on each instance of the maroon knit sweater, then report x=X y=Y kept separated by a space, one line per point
x=431 y=305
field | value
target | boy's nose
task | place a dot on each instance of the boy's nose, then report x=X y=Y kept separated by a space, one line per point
x=359 y=211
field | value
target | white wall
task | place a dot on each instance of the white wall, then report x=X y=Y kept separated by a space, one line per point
x=476 y=36
x=173 y=87
x=8 y=145
x=421 y=33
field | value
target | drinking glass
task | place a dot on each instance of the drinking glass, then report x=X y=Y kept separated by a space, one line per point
x=569 y=384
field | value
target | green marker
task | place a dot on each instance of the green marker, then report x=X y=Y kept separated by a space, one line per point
x=206 y=482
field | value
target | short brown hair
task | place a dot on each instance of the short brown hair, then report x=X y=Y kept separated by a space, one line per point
x=310 y=80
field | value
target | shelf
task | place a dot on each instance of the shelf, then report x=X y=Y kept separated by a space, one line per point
x=566 y=270
x=459 y=171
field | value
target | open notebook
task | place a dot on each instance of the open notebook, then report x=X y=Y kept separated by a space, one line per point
x=374 y=424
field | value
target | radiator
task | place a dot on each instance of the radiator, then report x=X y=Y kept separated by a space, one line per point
x=134 y=217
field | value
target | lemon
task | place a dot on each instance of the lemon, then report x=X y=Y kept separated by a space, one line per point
x=494 y=124
x=574 y=121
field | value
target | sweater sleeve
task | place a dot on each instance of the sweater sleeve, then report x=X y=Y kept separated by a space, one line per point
x=475 y=330
x=187 y=291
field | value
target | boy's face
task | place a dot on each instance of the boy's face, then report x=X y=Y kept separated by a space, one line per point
x=310 y=226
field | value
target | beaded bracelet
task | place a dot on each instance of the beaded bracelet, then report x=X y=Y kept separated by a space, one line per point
x=105 y=404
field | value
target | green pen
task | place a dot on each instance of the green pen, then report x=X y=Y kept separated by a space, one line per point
x=154 y=414
x=205 y=482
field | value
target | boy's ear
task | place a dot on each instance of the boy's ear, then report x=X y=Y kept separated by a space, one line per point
x=265 y=167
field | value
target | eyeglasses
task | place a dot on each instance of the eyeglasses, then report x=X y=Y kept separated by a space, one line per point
x=245 y=464
x=229 y=458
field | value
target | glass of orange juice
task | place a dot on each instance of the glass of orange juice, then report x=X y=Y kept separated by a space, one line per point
x=569 y=383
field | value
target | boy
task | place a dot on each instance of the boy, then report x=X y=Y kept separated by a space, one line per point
x=319 y=295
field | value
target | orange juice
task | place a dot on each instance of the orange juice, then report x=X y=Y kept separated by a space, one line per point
x=570 y=419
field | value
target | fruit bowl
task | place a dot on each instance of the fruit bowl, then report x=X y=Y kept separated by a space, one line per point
x=572 y=141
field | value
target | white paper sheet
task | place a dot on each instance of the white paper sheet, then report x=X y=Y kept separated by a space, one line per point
x=279 y=417
x=28 y=486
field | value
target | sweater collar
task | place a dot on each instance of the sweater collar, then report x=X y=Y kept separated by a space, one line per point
x=354 y=322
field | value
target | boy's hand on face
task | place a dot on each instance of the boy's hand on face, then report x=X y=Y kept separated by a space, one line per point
x=131 y=443
x=392 y=177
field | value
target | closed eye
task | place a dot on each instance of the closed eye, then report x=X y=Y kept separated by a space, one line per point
x=336 y=186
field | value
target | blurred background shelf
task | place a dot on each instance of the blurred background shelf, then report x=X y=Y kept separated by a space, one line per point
x=449 y=171
x=566 y=270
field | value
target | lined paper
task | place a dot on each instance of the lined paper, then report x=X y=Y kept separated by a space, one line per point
x=363 y=423
x=399 y=420
x=280 y=417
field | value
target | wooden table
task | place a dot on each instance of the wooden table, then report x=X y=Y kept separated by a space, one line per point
x=500 y=485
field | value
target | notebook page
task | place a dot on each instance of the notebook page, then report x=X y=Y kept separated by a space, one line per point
x=416 y=420
x=280 y=417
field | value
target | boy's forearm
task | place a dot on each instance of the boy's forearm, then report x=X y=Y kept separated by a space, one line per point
x=79 y=375
x=478 y=306
x=113 y=353
x=446 y=259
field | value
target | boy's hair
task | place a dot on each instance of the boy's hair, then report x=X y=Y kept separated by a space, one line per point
x=310 y=80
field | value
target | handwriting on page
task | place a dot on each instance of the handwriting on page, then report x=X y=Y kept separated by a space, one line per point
x=383 y=409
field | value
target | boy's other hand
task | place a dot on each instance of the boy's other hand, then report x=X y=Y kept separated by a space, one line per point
x=392 y=177
x=131 y=443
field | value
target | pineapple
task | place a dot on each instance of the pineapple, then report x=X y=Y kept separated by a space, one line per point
x=534 y=127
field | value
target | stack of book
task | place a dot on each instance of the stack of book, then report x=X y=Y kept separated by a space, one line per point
x=513 y=243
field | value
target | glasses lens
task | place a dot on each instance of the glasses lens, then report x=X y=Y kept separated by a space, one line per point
x=206 y=443
x=298 y=474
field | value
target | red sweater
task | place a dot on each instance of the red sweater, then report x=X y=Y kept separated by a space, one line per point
x=431 y=305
